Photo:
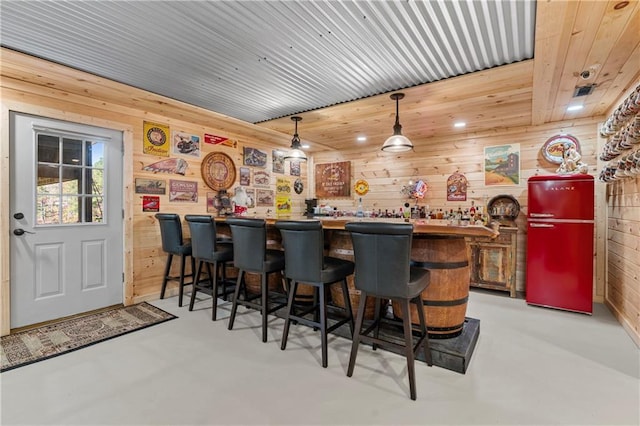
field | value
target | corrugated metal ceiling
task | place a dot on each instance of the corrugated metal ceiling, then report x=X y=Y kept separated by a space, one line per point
x=259 y=60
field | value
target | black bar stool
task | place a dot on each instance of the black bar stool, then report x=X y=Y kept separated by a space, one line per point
x=382 y=254
x=173 y=244
x=250 y=254
x=207 y=249
x=305 y=263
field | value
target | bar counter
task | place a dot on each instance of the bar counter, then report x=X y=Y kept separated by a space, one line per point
x=420 y=226
x=437 y=246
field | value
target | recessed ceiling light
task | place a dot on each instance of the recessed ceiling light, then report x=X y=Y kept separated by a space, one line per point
x=361 y=138
x=575 y=107
x=459 y=124
x=305 y=146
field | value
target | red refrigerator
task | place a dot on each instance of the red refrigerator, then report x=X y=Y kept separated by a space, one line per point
x=560 y=242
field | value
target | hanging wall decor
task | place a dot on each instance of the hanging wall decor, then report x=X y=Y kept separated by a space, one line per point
x=156 y=139
x=554 y=147
x=218 y=171
x=457 y=187
x=502 y=165
x=333 y=180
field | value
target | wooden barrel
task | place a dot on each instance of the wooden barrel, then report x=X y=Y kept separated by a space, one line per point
x=340 y=246
x=445 y=299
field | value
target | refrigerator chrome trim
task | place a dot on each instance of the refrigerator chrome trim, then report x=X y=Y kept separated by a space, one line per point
x=555 y=220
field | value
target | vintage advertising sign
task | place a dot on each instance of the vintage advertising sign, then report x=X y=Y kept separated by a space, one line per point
x=151 y=186
x=264 y=197
x=156 y=139
x=502 y=165
x=277 y=159
x=219 y=140
x=333 y=180
x=183 y=191
x=150 y=203
x=186 y=144
x=283 y=197
x=555 y=146
x=457 y=187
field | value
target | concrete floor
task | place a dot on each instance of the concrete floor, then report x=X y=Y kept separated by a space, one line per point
x=531 y=365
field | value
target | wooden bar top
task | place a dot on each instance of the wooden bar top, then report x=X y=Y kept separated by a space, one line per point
x=420 y=226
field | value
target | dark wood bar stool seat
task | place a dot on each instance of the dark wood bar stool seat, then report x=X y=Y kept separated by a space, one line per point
x=250 y=255
x=173 y=244
x=305 y=263
x=382 y=256
x=209 y=250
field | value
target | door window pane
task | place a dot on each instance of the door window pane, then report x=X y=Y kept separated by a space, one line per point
x=48 y=149
x=70 y=180
x=72 y=151
x=71 y=209
x=48 y=179
x=95 y=206
x=94 y=182
x=94 y=154
x=47 y=210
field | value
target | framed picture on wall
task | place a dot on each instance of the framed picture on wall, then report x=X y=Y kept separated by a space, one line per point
x=264 y=198
x=294 y=168
x=245 y=176
x=254 y=157
x=277 y=158
x=333 y=180
x=502 y=165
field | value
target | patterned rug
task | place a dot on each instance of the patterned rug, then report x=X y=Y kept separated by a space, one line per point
x=48 y=341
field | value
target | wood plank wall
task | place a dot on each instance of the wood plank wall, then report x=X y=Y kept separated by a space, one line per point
x=622 y=202
x=385 y=173
x=436 y=160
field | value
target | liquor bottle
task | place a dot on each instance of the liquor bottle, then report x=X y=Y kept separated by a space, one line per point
x=360 y=210
x=472 y=210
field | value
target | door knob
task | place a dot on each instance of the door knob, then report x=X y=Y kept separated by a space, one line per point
x=18 y=216
x=20 y=231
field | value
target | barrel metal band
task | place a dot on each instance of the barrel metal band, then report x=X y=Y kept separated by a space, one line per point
x=453 y=327
x=439 y=265
x=445 y=302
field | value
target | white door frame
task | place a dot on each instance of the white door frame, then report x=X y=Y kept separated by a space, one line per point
x=127 y=177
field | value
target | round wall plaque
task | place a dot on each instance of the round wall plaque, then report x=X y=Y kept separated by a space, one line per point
x=298 y=186
x=553 y=148
x=218 y=171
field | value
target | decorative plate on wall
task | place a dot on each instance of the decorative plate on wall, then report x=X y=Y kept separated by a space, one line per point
x=218 y=171
x=361 y=187
x=298 y=186
x=554 y=146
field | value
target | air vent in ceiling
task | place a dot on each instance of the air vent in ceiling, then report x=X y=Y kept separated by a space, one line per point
x=584 y=90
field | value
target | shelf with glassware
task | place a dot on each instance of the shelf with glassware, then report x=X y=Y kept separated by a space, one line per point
x=493 y=260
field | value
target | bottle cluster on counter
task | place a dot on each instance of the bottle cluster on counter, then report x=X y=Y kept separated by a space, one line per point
x=472 y=215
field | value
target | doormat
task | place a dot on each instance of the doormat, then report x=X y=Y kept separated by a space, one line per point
x=48 y=341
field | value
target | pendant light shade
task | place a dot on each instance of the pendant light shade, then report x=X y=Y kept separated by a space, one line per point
x=397 y=142
x=296 y=152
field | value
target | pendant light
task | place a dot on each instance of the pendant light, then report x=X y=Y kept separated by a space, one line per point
x=296 y=152
x=397 y=142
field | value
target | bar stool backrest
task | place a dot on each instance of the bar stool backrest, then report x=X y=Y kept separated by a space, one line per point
x=303 y=249
x=170 y=231
x=382 y=253
x=249 y=243
x=203 y=236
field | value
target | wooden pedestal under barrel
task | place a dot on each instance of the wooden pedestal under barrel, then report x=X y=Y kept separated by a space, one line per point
x=252 y=281
x=340 y=246
x=445 y=299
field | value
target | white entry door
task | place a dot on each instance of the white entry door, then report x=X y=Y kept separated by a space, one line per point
x=66 y=218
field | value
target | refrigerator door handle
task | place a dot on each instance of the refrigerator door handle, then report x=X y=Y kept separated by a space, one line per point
x=541 y=225
x=541 y=214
